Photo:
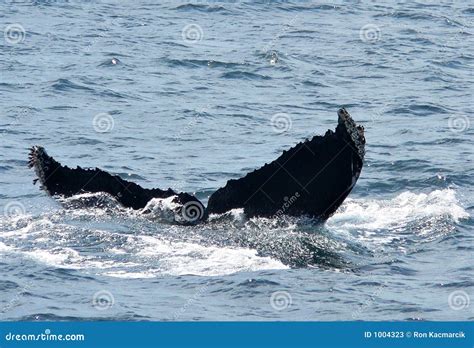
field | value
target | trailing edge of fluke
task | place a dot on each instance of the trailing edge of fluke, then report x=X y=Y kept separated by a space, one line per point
x=312 y=178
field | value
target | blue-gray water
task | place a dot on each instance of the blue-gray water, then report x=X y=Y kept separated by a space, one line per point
x=191 y=89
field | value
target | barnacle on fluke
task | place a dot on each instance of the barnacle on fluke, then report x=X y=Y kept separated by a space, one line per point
x=313 y=178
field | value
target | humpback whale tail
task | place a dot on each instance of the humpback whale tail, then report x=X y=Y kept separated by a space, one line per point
x=57 y=179
x=312 y=178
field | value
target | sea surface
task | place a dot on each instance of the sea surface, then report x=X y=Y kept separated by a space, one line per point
x=188 y=95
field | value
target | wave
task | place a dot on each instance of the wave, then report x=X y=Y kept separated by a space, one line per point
x=94 y=235
x=244 y=75
x=397 y=212
x=197 y=63
x=182 y=258
x=139 y=256
x=67 y=85
x=190 y=7
x=411 y=217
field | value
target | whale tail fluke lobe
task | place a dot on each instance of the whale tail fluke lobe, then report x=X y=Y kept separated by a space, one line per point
x=57 y=179
x=312 y=178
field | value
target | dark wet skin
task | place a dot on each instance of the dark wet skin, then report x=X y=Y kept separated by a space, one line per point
x=313 y=178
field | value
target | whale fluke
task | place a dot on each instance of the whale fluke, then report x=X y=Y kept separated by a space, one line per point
x=313 y=178
x=57 y=179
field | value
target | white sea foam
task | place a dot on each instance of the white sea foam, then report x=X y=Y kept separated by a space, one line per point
x=163 y=209
x=131 y=275
x=5 y=248
x=366 y=218
x=234 y=214
x=180 y=258
x=172 y=258
x=58 y=257
x=144 y=256
x=64 y=257
x=137 y=256
x=407 y=206
x=96 y=199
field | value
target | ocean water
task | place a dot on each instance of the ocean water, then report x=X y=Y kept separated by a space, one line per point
x=190 y=94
